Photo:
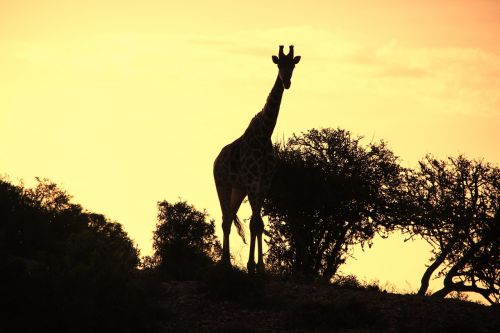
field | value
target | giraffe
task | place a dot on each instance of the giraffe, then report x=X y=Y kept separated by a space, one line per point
x=245 y=166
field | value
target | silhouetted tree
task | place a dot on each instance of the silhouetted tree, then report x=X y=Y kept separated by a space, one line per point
x=43 y=220
x=19 y=225
x=66 y=269
x=457 y=212
x=184 y=241
x=330 y=193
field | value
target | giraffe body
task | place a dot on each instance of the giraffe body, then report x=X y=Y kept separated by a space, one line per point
x=245 y=167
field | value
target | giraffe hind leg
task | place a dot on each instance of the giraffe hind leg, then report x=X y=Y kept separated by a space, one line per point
x=224 y=193
x=230 y=201
x=237 y=196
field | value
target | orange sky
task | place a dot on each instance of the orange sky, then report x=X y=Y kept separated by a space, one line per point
x=125 y=103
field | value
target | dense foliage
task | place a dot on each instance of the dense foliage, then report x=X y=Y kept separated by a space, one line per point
x=65 y=269
x=184 y=241
x=330 y=193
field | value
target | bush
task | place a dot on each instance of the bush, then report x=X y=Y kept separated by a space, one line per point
x=65 y=269
x=352 y=282
x=183 y=262
x=346 y=281
x=184 y=242
x=233 y=284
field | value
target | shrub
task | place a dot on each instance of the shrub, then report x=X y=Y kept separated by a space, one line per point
x=231 y=283
x=184 y=241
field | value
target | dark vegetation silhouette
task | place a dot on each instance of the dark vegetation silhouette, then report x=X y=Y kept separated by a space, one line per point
x=186 y=248
x=184 y=242
x=457 y=203
x=65 y=269
x=330 y=193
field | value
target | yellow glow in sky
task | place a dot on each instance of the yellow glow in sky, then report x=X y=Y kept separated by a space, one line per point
x=125 y=103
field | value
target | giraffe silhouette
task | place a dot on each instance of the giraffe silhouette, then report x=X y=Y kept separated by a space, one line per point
x=245 y=166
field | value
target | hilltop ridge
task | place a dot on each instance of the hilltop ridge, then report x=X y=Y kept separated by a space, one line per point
x=314 y=307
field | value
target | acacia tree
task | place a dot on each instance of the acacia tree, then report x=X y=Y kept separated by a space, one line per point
x=457 y=212
x=330 y=192
x=184 y=241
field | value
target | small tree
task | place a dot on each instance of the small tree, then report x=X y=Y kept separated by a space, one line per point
x=330 y=193
x=63 y=265
x=457 y=212
x=184 y=242
x=42 y=223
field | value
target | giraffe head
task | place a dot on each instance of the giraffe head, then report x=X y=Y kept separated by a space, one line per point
x=286 y=64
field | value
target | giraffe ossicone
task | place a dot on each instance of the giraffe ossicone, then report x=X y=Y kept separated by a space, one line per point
x=245 y=167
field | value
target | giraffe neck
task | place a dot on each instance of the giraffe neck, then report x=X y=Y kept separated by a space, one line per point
x=262 y=125
x=272 y=107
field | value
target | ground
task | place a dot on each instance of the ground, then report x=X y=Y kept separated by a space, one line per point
x=193 y=306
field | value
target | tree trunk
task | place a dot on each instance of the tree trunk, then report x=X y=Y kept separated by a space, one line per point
x=333 y=260
x=424 y=282
x=450 y=286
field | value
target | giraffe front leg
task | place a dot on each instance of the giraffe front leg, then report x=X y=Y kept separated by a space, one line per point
x=260 y=259
x=256 y=228
x=253 y=234
x=259 y=232
x=251 y=260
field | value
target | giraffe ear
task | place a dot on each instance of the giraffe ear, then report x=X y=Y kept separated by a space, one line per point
x=275 y=59
x=296 y=60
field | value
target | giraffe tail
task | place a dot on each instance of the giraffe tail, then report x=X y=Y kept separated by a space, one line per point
x=239 y=228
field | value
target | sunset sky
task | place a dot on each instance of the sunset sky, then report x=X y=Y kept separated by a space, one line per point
x=125 y=103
